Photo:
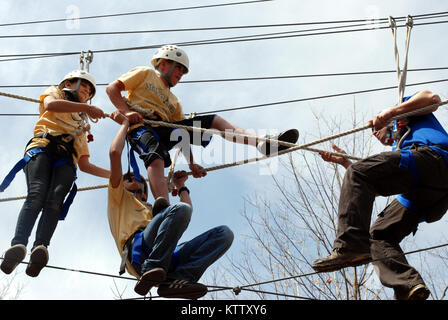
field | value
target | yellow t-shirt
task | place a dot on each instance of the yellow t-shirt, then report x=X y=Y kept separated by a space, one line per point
x=146 y=89
x=57 y=123
x=126 y=215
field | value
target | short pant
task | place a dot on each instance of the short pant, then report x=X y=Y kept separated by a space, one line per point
x=154 y=142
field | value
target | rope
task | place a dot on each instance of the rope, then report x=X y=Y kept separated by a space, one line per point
x=15 y=96
x=292 y=146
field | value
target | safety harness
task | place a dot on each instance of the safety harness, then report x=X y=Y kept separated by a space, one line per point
x=60 y=150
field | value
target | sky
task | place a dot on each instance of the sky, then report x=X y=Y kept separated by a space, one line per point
x=83 y=241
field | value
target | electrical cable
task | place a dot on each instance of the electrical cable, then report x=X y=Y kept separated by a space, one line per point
x=133 y=13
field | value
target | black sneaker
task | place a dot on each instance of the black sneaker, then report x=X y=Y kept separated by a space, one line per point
x=181 y=289
x=160 y=204
x=339 y=259
x=291 y=136
x=419 y=292
x=38 y=260
x=148 y=280
x=12 y=257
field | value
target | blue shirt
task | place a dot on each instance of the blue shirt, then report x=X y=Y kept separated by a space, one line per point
x=426 y=130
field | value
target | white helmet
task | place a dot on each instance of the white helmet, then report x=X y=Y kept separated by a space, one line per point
x=80 y=74
x=171 y=52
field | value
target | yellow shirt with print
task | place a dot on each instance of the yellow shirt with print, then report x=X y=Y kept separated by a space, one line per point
x=146 y=89
x=126 y=215
x=57 y=123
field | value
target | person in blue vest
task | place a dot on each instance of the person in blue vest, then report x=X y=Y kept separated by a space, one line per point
x=58 y=147
x=417 y=172
x=148 y=241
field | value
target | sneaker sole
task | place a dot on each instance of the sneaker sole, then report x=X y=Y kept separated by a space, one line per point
x=291 y=136
x=148 y=280
x=38 y=260
x=355 y=262
x=184 y=293
x=13 y=257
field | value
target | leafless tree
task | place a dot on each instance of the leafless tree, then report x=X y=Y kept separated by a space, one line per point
x=291 y=230
x=10 y=288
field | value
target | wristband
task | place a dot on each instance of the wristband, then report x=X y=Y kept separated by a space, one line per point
x=184 y=188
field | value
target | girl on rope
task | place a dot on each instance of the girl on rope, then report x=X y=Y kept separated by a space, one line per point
x=149 y=244
x=150 y=90
x=59 y=146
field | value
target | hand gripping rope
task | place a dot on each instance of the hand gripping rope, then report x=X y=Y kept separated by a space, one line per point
x=292 y=146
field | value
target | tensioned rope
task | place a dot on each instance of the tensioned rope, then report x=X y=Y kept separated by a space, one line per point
x=291 y=146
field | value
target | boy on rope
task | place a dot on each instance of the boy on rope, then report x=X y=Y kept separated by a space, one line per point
x=59 y=145
x=417 y=172
x=149 y=244
x=150 y=89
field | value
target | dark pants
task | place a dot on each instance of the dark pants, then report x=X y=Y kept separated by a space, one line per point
x=153 y=143
x=381 y=175
x=47 y=187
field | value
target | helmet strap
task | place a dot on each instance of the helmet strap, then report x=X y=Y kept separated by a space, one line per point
x=167 y=76
x=72 y=94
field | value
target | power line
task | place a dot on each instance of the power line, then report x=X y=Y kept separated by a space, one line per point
x=225 y=40
x=186 y=30
x=133 y=13
x=364 y=21
x=315 y=98
x=239 y=288
x=280 y=102
x=281 y=77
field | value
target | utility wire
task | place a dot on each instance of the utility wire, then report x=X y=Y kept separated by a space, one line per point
x=133 y=13
x=238 y=288
x=279 y=102
x=316 y=75
x=315 y=98
x=360 y=23
x=225 y=40
x=186 y=30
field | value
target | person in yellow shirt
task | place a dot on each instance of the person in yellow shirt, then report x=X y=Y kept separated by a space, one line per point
x=148 y=244
x=150 y=89
x=58 y=147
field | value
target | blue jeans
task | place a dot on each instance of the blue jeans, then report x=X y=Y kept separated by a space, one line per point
x=188 y=260
x=47 y=188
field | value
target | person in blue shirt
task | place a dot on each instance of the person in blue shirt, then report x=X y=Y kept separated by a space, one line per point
x=416 y=171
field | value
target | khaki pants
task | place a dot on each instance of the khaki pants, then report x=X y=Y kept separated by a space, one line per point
x=381 y=175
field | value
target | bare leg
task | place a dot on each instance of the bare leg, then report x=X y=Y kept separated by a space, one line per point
x=157 y=181
x=223 y=125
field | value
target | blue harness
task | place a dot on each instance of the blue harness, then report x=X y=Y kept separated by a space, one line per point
x=22 y=163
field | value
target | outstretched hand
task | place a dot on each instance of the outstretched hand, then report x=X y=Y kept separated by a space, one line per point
x=330 y=157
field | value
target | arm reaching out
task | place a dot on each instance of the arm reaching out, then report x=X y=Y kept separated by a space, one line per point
x=329 y=157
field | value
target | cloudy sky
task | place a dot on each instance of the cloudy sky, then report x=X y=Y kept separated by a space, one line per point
x=83 y=241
